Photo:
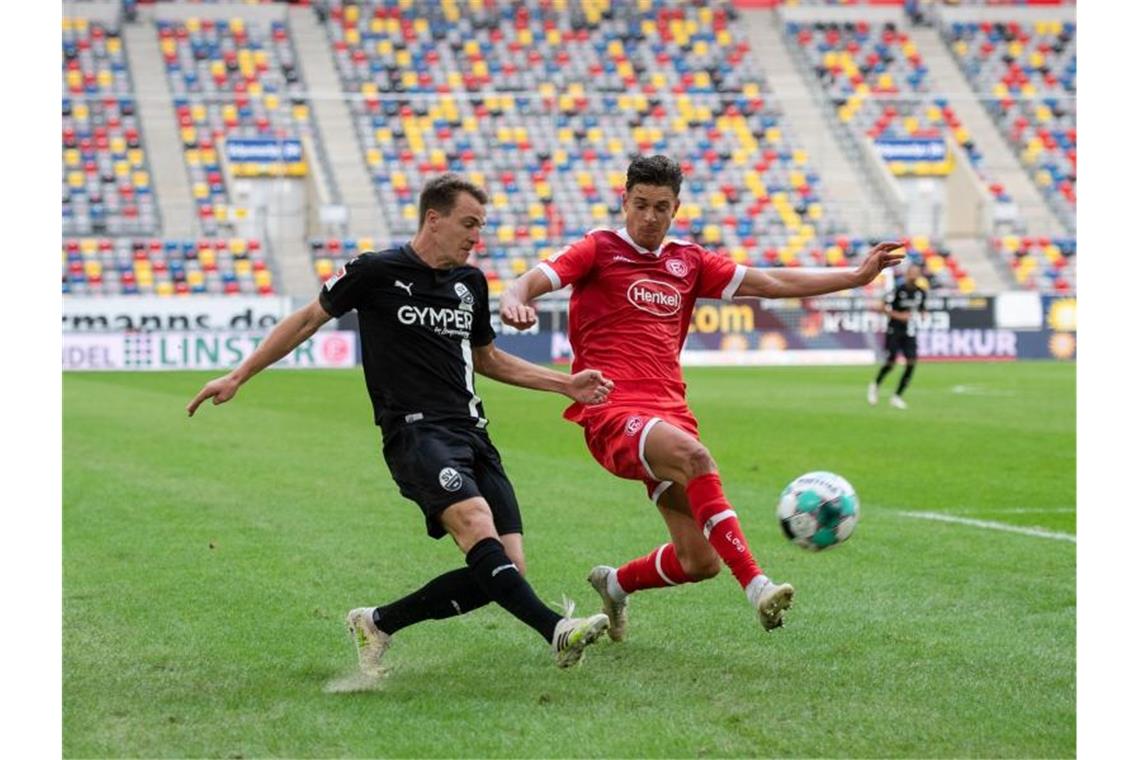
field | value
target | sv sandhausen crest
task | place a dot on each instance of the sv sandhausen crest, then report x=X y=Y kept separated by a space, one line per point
x=450 y=480
x=466 y=299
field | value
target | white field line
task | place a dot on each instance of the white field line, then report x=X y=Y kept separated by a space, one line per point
x=1025 y=511
x=989 y=525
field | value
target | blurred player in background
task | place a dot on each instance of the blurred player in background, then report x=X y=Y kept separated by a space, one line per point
x=634 y=292
x=425 y=330
x=901 y=307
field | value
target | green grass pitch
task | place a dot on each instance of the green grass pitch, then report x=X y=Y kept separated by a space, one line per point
x=208 y=564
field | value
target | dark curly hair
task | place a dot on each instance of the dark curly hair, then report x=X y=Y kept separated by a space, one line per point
x=441 y=192
x=656 y=170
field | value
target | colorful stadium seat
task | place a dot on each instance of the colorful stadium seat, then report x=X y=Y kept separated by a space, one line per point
x=230 y=79
x=857 y=63
x=163 y=267
x=1040 y=263
x=106 y=181
x=544 y=105
x=1025 y=73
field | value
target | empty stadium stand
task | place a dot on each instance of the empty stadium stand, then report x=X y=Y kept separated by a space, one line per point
x=153 y=266
x=1025 y=73
x=106 y=183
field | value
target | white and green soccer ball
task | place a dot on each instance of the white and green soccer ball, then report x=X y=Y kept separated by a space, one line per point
x=818 y=510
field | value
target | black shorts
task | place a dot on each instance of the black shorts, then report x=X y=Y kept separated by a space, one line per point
x=897 y=342
x=438 y=465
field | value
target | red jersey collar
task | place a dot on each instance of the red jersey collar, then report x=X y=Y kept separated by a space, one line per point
x=623 y=233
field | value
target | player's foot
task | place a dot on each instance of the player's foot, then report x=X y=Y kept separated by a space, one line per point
x=872 y=394
x=771 y=602
x=371 y=643
x=615 y=610
x=897 y=402
x=572 y=636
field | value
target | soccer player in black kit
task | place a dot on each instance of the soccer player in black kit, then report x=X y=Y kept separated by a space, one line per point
x=901 y=307
x=425 y=331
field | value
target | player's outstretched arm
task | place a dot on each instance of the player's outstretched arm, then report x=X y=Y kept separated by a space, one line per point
x=514 y=302
x=796 y=283
x=586 y=387
x=289 y=333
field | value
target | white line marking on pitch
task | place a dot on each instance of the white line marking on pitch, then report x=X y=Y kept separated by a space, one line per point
x=1038 y=532
x=1026 y=511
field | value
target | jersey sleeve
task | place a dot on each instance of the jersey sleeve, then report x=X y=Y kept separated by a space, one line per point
x=921 y=300
x=892 y=300
x=720 y=276
x=572 y=263
x=481 y=332
x=342 y=292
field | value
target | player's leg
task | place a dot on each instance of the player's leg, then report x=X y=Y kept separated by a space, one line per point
x=910 y=351
x=471 y=525
x=676 y=455
x=889 y=364
x=687 y=558
x=453 y=593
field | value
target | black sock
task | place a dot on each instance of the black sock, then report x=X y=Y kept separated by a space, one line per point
x=453 y=593
x=905 y=379
x=883 y=371
x=502 y=582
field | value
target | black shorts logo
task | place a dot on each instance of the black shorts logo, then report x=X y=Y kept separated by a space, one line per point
x=450 y=480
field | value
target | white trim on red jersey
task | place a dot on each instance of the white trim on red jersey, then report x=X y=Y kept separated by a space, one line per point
x=733 y=285
x=555 y=280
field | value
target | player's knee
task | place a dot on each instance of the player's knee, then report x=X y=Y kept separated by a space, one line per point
x=700 y=567
x=696 y=460
x=469 y=523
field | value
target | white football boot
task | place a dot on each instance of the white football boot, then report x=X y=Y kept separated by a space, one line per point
x=371 y=643
x=872 y=394
x=897 y=402
x=615 y=610
x=770 y=603
x=572 y=635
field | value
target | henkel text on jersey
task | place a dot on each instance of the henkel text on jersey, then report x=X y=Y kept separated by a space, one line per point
x=630 y=307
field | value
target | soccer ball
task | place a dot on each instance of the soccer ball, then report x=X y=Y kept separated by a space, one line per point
x=818 y=510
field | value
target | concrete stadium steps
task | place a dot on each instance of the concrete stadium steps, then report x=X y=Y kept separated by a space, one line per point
x=160 y=132
x=851 y=195
x=330 y=111
x=1000 y=162
x=988 y=274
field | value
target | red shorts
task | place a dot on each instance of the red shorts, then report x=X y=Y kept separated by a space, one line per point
x=616 y=437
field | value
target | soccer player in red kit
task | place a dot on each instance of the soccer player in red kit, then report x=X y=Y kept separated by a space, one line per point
x=633 y=294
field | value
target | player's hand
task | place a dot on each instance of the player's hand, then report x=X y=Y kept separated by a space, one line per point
x=885 y=254
x=221 y=389
x=515 y=313
x=590 y=387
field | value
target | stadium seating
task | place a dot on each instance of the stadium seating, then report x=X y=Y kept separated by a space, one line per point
x=544 y=109
x=858 y=63
x=152 y=266
x=230 y=78
x=1026 y=75
x=1040 y=263
x=502 y=264
x=106 y=180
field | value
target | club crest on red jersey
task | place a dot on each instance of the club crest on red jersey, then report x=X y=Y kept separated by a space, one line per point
x=677 y=267
x=633 y=425
x=658 y=298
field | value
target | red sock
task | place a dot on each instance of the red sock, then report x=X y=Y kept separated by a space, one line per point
x=657 y=569
x=715 y=516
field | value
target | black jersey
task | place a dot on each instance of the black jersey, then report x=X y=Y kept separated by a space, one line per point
x=906 y=298
x=417 y=328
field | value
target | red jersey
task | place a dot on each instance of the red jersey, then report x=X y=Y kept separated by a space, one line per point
x=630 y=310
